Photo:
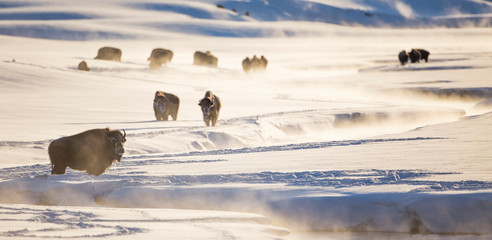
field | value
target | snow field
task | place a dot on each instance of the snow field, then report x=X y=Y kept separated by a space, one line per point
x=334 y=136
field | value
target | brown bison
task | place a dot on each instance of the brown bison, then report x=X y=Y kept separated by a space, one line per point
x=210 y=105
x=204 y=59
x=254 y=64
x=246 y=63
x=414 y=56
x=158 y=57
x=93 y=151
x=424 y=54
x=83 y=66
x=165 y=104
x=109 y=53
x=403 y=57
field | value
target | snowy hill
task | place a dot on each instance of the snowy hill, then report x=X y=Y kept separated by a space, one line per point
x=335 y=140
x=92 y=19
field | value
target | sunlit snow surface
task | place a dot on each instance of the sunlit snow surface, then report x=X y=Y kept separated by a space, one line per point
x=336 y=140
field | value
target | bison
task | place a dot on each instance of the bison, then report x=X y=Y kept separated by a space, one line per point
x=93 y=151
x=204 y=59
x=424 y=54
x=83 y=66
x=259 y=63
x=246 y=63
x=109 y=53
x=414 y=56
x=403 y=57
x=158 y=57
x=254 y=64
x=165 y=104
x=210 y=105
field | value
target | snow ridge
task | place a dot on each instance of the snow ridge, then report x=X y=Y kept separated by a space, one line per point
x=287 y=147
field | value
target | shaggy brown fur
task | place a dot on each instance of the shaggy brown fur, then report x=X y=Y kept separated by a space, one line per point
x=246 y=64
x=158 y=57
x=93 y=151
x=414 y=56
x=165 y=104
x=83 y=66
x=403 y=57
x=210 y=105
x=205 y=59
x=109 y=53
x=424 y=54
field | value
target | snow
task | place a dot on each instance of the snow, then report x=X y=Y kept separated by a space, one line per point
x=110 y=223
x=336 y=140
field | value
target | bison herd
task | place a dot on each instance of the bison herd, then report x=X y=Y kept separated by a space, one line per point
x=161 y=56
x=94 y=151
x=254 y=64
x=415 y=55
x=167 y=104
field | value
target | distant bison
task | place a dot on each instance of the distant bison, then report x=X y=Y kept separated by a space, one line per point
x=414 y=56
x=158 y=57
x=254 y=64
x=166 y=104
x=93 y=151
x=83 y=66
x=424 y=54
x=109 y=53
x=403 y=57
x=246 y=64
x=210 y=105
x=204 y=59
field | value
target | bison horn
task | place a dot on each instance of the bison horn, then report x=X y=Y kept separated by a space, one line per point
x=124 y=133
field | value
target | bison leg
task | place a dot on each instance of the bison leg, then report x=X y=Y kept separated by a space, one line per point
x=58 y=169
x=159 y=116
x=174 y=116
x=58 y=159
x=165 y=117
x=214 y=121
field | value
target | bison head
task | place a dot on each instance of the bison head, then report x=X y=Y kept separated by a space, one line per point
x=116 y=139
x=159 y=94
x=206 y=104
x=160 y=104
